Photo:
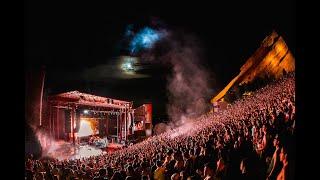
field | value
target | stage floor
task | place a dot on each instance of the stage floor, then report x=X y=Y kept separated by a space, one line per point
x=65 y=150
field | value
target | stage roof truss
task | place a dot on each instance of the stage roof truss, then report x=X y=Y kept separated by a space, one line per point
x=76 y=98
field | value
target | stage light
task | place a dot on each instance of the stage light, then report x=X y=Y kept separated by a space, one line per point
x=85 y=129
x=86 y=112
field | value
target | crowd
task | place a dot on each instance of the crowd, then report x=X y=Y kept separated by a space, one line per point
x=254 y=138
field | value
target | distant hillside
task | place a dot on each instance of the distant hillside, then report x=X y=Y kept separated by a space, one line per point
x=271 y=59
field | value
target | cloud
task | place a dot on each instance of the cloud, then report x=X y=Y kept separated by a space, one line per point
x=117 y=68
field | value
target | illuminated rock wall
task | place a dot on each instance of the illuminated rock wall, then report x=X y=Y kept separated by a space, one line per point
x=272 y=58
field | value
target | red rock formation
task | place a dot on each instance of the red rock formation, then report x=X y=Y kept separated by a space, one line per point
x=271 y=58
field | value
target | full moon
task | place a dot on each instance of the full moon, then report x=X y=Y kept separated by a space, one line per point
x=128 y=64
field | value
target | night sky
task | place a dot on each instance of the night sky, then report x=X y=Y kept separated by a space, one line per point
x=80 y=43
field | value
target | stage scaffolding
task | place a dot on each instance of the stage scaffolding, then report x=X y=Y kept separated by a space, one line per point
x=74 y=101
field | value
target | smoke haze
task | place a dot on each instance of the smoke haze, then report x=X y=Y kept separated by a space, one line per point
x=188 y=87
